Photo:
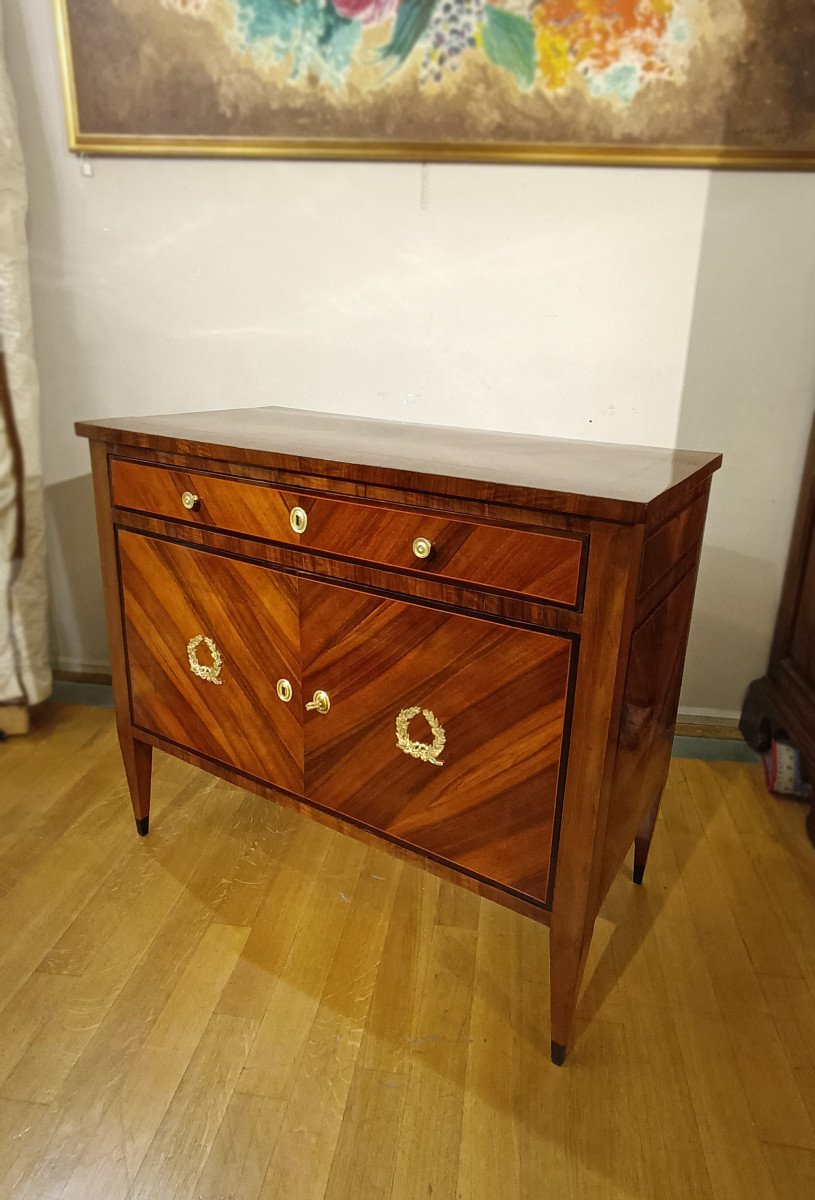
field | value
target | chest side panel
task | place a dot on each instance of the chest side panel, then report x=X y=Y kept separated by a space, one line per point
x=174 y=596
x=648 y=719
x=654 y=668
x=405 y=680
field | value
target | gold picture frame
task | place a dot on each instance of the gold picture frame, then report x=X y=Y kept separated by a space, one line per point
x=154 y=19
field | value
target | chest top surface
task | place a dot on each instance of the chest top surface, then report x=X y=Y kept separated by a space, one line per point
x=591 y=479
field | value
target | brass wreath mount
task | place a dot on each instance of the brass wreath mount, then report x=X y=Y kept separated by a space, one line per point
x=427 y=753
x=209 y=673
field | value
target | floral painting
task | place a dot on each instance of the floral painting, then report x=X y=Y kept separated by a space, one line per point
x=571 y=80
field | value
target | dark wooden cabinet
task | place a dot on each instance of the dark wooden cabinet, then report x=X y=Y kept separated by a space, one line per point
x=783 y=700
x=466 y=645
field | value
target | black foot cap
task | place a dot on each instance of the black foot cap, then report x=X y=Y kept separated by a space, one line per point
x=638 y=872
x=142 y=825
x=558 y=1054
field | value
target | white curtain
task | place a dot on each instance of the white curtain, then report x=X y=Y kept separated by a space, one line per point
x=24 y=671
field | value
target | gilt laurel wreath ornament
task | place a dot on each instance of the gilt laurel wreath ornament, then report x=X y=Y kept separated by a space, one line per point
x=428 y=754
x=210 y=673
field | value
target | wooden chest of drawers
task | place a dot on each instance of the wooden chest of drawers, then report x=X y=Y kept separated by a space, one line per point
x=469 y=645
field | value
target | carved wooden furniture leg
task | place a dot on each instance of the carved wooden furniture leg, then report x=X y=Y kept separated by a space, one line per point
x=138 y=760
x=568 y=950
x=642 y=842
x=137 y=755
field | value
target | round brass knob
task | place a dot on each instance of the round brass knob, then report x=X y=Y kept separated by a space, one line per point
x=298 y=519
x=189 y=500
x=284 y=690
x=422 y=548
x=321 y=703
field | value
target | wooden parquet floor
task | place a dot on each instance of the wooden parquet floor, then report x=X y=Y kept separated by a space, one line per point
x=248 y=1005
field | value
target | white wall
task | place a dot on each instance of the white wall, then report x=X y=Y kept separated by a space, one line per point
x=749 y=389
x=566 y=301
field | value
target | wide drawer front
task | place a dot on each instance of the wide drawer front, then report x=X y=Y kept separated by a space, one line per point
x=543 y=565
x=443 y=732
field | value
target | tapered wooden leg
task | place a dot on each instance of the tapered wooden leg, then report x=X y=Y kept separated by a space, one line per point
x=642 y=841
x=138 y=760
x=568 y=950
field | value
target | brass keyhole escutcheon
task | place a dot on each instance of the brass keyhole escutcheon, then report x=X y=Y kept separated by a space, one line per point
x=422 y=547
x=189 y=500
x=298 y=519
x=320 y=703
x=284 y=690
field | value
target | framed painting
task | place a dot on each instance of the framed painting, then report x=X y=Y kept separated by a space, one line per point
x=699 y=82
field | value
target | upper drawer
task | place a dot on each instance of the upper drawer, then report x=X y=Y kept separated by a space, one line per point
x=542 y=565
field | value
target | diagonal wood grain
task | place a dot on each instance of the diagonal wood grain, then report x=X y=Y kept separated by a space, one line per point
x=544 y=565
x=499 y=693
x=172 y=594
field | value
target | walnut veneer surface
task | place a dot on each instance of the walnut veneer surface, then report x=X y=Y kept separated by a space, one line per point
x=468 y=645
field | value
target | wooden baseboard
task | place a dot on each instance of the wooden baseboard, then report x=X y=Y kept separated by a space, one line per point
x=99 y=677
x=708 y=727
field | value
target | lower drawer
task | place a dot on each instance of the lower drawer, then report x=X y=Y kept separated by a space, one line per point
x=442 y=731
